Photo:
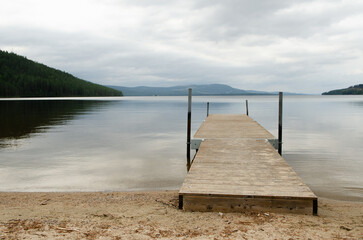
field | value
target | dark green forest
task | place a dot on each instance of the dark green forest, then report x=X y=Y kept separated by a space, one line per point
x=20 y=77
x=353 y=90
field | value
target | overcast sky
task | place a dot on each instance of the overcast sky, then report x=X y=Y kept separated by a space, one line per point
x=274 y=45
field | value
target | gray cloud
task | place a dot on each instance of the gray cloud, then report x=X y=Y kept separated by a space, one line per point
x=300 y=46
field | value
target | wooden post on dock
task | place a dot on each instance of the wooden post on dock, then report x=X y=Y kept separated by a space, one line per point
x=207 y=109
x=247 y=107
x=280 y=123
x=189 y=127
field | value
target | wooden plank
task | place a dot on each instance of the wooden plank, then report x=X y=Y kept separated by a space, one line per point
x=236 y=169
x=238 y=204
x=231 y=126
x=214 y=173
x=217 y=190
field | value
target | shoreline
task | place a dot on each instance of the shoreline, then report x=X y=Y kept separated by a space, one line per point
x=338 y=197
x=155 y=214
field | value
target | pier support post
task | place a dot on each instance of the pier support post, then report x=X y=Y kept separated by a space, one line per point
x=189 y=128
x=280 y=124
x=315 y=207
x=247 y=107
x=180 y=202
x=207 y=109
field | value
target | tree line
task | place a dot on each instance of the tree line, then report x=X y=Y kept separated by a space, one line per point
x=352 y=90
x=20 y=77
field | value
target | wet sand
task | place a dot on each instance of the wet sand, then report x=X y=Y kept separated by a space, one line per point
x=149 y=215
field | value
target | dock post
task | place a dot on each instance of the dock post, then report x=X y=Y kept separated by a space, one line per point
x=189 y=126
x=180 y=202
x=315 y=207
x=247 y=107
x=207 y=109
x=280 y=124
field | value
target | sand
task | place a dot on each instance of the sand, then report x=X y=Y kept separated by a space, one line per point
x=149 y=215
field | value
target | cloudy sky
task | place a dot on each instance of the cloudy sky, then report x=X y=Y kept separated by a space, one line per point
x=274 y=45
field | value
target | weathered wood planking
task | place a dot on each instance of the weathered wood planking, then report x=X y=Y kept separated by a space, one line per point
x=236 y=169
x=231 y=126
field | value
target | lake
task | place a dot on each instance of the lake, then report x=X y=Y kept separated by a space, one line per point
x=139 y=143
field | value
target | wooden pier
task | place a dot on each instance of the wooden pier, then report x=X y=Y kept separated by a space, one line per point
x=236 y=169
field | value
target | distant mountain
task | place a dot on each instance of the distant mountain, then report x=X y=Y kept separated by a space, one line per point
x=199 y=90
x=20 y=77
x=352 y=90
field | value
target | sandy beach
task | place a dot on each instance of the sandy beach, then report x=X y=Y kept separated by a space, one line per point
x=148 y=215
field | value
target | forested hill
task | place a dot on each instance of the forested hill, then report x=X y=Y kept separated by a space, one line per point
x=353 y=90
x=20 y=77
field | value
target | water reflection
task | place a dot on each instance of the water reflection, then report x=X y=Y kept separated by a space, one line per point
x=20 y=119
x=358 y=104
x=323 y=139
x=98 y=146
x=139 y=143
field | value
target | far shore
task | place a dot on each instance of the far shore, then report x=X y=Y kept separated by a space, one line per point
x=149 y=215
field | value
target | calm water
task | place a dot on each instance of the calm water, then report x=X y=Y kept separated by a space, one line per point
x=138 y=143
